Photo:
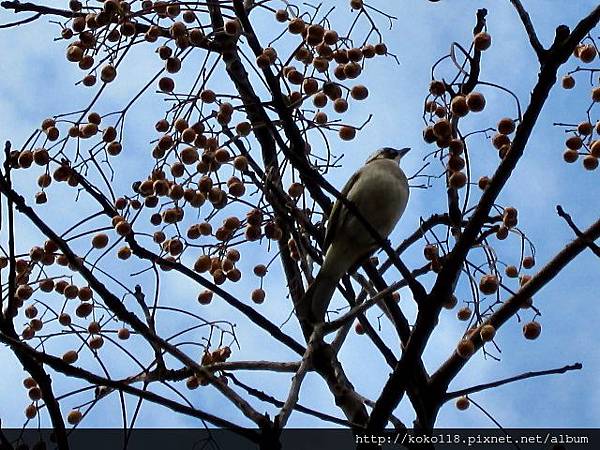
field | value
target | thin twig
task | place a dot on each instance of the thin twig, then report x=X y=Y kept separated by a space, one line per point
x=561 y=212
x=537 y=46
x=523 y=376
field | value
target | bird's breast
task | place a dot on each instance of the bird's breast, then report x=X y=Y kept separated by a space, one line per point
x=382 y=195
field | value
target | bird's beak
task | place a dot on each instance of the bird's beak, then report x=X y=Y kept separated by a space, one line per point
x=403 y=151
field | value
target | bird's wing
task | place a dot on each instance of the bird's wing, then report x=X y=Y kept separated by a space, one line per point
x=339 y=213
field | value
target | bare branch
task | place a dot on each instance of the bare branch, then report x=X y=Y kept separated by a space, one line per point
x=35 y=369
x=523 y=376
x=185 y=372
x=278 y=403
x=361 y=308
x=539 y=49
x=292 y=399
x=21 y=22
x=561 y=212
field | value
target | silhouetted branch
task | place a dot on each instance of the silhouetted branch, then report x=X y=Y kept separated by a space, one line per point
x=117 y=307
x=185 y=372
x=523 y=376
x=292 y=399
x=21 y=22
x=278 y=403
x=72 y=371
x=7 y=328
x=427 y=317
x=448 y=371
x=539 y=49
x=42 y=10
x=561 y=212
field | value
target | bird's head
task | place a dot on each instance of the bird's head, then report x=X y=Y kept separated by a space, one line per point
x=388 y=153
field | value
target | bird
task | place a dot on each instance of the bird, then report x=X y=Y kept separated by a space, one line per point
x=379 y=190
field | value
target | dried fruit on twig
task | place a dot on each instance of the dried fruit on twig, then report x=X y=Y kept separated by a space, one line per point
x=511 y=271
x=74 y=417
x=258 y=296
x=568 y=82
x=462 y=403
x=532 y=330
x=570 y=156
x=590 y=162
x=487 y=332
x=482 y=41
x=347 y=133
x=459 y=106
x=488 y=284
x=476 y=101
x=70 y=356
x=506 y=126
x=587 y=53
x=464 y=313
x=437 y=88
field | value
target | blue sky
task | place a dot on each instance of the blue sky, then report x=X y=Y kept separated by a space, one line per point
x=40 y=82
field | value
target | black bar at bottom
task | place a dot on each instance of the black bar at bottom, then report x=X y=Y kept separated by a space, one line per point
x=305 y=439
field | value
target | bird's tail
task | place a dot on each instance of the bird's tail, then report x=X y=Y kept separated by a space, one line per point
x=318 y=295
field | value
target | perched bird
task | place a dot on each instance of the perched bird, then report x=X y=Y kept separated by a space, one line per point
x=379 y=190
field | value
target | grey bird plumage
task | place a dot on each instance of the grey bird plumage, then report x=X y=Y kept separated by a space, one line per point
x=380 y=192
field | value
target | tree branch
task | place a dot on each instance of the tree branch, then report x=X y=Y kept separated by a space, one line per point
x=447 y=372
x=7 y=328
x=117 y=307
x=21 y=22
x=538 y=48
x=185 y=372
x=428 y=316
x=42 y=10
x=278 y=403
x=292 y=399
x=72 y=371
x=561 y=212
x=523 y=376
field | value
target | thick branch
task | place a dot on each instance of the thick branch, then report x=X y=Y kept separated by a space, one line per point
x=427 y=317
x=117 y=307
x=72 y=371
x=292 y=399
x=448 y=371
x=7 y=328
x=185 y=372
